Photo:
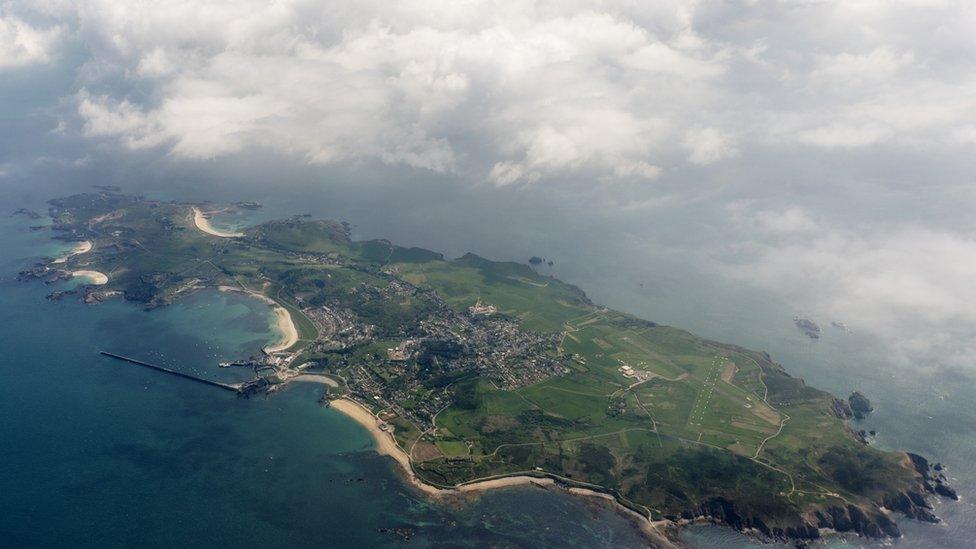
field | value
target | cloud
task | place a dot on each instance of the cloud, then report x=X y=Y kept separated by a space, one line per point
x=510 y=93
x=908 y=284
x=22 y=44
x=105 y=117
x=789 y=221
x=841 y=132
x=853 y=69
x=707 y=145
x=516 y=92
x=844 y=136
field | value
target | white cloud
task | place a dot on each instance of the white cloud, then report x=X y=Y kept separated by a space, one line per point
x=792 y=220
x=22 y=44
x=908 y=284
x=106 y=117
x=639 y=169
x=662 y=58
x=507 y=92
x=793 y=108
x=707 y=145
x=844 y=136
x=846 y=70
x=516 y=92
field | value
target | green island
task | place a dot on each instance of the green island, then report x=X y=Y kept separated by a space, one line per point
x=471 y=372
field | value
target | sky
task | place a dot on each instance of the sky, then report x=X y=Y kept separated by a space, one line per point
x=818 y=152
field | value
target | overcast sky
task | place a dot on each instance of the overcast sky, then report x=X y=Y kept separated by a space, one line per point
x=820 y=151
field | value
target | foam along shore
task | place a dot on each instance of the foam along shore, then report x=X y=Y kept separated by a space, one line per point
x=80 y=248
x=94 y=277
x=202 y=223
x=386 y=445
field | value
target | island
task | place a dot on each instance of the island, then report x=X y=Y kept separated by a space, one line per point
x=809 y=328
x=860 y=405
x=476 y=374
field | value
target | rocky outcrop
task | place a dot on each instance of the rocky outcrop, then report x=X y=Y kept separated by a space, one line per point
x=912 y=505
x=60 y=294
x=860 y=405
x=841 y=409
x=851 y=518
x=29 y=214
x=808 y=327
x=723 y=511
x=869 y=521
x=933 y=479
x=846 y=519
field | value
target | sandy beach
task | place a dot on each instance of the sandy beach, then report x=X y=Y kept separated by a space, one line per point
x=204 y=225
x=312 y=378
x=286 y=326
x=289 y=334
x=504 y=482
x=94 y=277
x=387 y=446
x=251 y=293
x=80 y=248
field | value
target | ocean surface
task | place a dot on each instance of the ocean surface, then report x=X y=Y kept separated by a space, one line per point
x=95 y=452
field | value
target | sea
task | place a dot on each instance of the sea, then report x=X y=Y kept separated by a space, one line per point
x=99 y=453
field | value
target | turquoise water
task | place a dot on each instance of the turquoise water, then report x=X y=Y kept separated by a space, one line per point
x=100 y=453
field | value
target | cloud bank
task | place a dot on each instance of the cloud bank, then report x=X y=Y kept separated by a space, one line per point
x=513 y=92
x=23 y=44
x=771 y=117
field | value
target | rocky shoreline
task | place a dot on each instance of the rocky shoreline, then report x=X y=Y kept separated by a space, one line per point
x=846 y=519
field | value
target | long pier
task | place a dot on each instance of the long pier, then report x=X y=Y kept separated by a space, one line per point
x=225 y=386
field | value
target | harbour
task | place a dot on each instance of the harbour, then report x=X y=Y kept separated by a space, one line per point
x=236 y=387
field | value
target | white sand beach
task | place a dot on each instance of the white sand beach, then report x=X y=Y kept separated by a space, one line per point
x=312 y=378
x=80 y=248
x=202 y=223
x=504 y=482
x=386 y=445
x=94 y=277
x=287 y=330
x=288 y=333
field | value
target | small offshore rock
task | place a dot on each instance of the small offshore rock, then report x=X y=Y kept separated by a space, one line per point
x=860 y=405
